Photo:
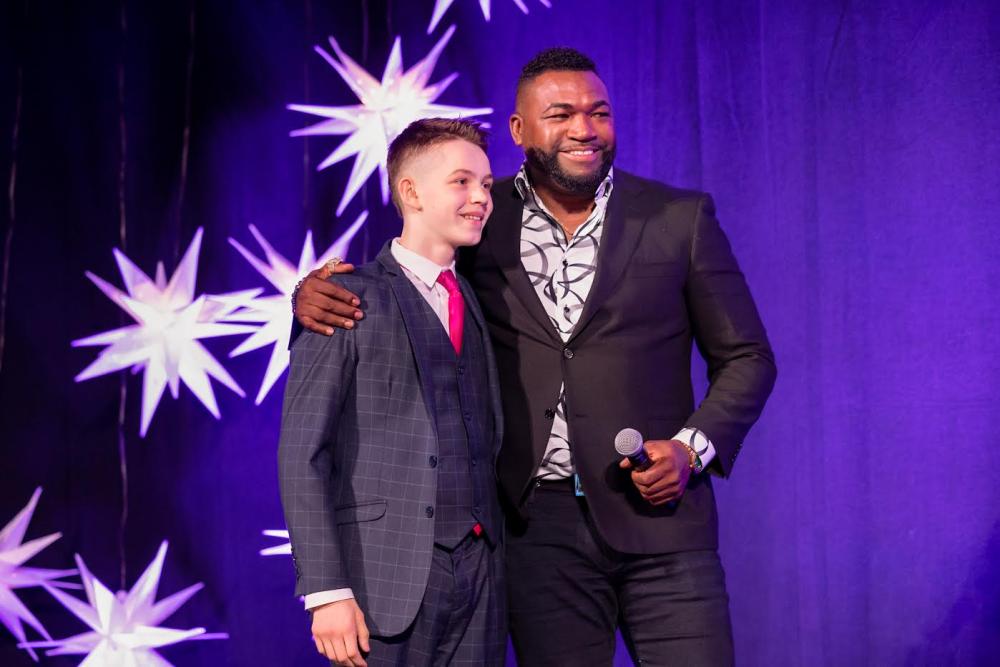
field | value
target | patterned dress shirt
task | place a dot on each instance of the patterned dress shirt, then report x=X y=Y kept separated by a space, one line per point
x=562 y=271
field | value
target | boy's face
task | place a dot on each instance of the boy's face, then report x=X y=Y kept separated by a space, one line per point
x=453 y=181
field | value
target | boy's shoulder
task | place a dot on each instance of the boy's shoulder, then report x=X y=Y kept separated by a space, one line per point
x=365 y=277
x=370 y=283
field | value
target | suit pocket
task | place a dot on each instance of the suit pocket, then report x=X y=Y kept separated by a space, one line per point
x=367 y=511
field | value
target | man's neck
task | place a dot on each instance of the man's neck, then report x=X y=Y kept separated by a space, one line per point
x=570 y=210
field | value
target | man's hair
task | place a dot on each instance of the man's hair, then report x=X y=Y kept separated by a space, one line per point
x=555 y=59
x=422 y=135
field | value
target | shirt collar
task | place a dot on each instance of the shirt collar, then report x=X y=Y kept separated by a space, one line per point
x=527 y=192
x=423 y=268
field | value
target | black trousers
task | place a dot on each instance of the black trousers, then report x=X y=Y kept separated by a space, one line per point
x=568 y=591
x=462 y=617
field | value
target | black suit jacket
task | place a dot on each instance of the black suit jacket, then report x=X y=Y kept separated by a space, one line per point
x=666 y=277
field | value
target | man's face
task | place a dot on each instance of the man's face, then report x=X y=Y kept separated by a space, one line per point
x=563 y=122
x=452 y=182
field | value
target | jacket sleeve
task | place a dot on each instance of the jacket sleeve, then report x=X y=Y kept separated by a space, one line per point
x=321 y=376
x=731 y=338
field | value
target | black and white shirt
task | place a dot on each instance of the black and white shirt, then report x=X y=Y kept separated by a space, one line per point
x=562 y=271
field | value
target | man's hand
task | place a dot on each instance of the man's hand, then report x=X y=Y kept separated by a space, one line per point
x=320 y=304
x=340 y=632
x=667 y=476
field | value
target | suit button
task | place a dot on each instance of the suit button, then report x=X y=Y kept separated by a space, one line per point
x=433 y=461
x=467 y=415
x=568 y=353
x=474 y=463
x=461 y=370
x=429 y=511
x=550 y=413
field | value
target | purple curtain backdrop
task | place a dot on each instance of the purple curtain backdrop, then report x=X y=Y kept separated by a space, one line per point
x=852 y=149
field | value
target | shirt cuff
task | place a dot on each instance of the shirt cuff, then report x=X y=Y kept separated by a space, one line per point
x=314 y=600
x=699 y=442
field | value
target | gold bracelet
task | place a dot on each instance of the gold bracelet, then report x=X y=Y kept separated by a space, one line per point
x=694 y=461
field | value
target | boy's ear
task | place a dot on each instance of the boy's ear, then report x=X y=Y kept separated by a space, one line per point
x=407 y=189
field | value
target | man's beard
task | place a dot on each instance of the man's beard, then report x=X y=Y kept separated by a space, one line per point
x=548 y=164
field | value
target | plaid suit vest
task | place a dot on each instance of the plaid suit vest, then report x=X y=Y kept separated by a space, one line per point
x=461 y=412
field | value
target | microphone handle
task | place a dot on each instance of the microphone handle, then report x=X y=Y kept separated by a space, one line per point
x=640 y=460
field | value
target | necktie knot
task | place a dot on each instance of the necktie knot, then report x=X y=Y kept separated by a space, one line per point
x=447 y=280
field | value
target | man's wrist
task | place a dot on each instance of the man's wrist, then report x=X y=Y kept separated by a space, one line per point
x=699 y=442
x=295 y=292
x=694 y=461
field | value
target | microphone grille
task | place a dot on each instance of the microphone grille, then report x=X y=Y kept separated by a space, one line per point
x=628 y=441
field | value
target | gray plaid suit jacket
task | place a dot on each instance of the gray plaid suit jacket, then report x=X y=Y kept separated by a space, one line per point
x=356 y=442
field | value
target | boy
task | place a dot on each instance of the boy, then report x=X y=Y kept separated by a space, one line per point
x=390 y=431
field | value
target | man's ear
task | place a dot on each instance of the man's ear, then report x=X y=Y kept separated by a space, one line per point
x=407 y=189
x=516 y=124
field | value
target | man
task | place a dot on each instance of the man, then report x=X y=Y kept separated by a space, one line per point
x=594 y=283
x=390 y=431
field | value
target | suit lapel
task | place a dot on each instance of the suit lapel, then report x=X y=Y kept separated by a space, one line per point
x=410 y=304
x=472 y=309
x=471 y=304
x=503 y=238
x=623 y=223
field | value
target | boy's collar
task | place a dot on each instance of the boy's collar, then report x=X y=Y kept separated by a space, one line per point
x=423 y=268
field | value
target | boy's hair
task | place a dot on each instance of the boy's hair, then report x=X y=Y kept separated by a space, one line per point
x=422 y=135
x=555 y=59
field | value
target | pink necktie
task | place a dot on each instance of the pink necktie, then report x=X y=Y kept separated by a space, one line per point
x=456 y=309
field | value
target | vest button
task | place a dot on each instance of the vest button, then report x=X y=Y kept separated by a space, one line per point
x=461 y=369
x=568 y=353
x=473 y=463
x=433 y=461
x=429 y=511
x=550 y=413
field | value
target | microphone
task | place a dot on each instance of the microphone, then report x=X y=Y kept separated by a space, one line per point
x=628 y=443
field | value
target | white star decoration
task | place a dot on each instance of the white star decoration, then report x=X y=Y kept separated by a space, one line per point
x=386 y=108
x=12 y=554
x=278 y=549
x=164 y=342
x=124 y=627
x=441 y=6
x=275 y=310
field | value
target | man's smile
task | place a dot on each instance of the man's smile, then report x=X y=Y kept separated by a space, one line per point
x=584 y=154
